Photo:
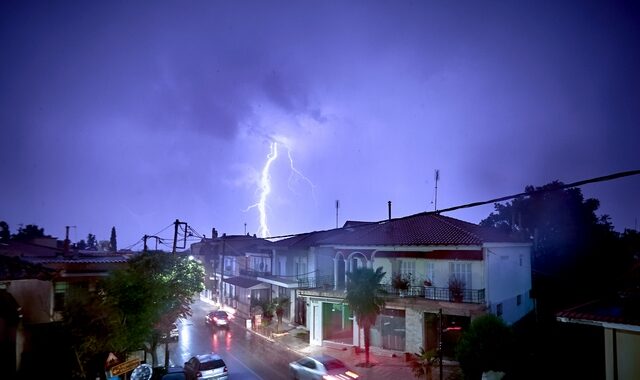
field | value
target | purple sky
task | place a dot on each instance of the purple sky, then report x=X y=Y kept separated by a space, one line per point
x=133 y=115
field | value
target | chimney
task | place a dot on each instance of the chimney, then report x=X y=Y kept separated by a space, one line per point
x=389 y=210
x=214 y=233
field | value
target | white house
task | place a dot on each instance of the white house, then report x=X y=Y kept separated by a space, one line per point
x=427 y=249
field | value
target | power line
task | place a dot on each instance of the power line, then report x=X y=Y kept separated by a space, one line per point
x=540 y=191
x=501 y=199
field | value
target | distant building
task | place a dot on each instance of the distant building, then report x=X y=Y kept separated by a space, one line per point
x=619 y=318
x=36 y=278
x=492 y=270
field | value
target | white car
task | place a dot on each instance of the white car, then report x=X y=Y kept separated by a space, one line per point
x=173 y=335
x=322 y=367
x=207 y=366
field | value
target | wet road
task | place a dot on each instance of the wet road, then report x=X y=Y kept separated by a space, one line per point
x=247 y=355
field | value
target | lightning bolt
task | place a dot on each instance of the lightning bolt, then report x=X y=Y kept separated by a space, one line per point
x=296 y=171
x=265 y=185
x=265 y=189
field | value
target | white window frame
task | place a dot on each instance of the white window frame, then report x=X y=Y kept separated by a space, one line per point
x=461 y=270
x=408 y=269
x=300 y=264
x=430 y=270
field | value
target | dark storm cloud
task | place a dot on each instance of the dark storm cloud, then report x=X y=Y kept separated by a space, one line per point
x=166 y=101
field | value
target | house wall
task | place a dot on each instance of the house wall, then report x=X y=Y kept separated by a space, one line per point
x=508 y=271
x=625 y=355
x=321 y=260
x=441 y=271
x=35 y=297
x=414 y=320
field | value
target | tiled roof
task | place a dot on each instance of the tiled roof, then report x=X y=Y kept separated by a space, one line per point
x=243 y=282
x=419 y=229
x=615 y=311
x=77 y=260
x=13 y=268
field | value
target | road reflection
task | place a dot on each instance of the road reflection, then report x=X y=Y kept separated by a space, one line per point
x=221 y=338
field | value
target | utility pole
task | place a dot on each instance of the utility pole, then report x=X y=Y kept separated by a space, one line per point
x=440 y=341
x=222 y=272
x=144 y=238
x=175 y=235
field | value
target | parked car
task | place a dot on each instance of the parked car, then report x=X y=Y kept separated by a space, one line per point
x=173 y=334
x=218 y=318
x=207 y=366
x=320 y=367
x=171 y=373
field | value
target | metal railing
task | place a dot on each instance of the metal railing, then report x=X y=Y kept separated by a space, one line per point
x=254 y=273
x=476 y=296
x=317 y=282
x=436 y=294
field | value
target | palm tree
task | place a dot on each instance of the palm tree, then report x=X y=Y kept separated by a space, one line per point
x=422 y=362
x=363 y=298
x=281 y=303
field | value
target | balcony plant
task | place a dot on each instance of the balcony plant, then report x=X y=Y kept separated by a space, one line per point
x=401 y=283
x=456 y=288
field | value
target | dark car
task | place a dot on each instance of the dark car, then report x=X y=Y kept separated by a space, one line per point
x=320 y=367
x=218 y=318
x=207 y=366
x=171 y=373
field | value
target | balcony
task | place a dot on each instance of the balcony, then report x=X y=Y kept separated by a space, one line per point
x=324 y=286
x=254 y=273
x=435 y=294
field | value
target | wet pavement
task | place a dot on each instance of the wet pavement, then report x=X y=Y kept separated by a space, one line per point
x=382 y=365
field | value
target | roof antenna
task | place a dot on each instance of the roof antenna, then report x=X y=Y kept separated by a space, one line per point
x=389 y=210
x=337 y=207
x=435 y=204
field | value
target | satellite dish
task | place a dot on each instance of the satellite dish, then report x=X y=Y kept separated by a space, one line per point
x=142 y=372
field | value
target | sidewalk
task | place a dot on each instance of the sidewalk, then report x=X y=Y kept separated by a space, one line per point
x=385 y=365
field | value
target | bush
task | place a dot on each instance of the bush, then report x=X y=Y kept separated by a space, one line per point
x=486 y=346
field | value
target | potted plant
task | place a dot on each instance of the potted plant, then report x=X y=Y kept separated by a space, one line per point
x=401 y=283
x=456 y=288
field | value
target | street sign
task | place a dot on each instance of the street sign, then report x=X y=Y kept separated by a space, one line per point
x=125 y=367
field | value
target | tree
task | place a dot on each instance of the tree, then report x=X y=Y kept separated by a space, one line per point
x=82 y=245
x=363 y=298
x=570 y=243
x=5 y=235
x=176 y=280
x=113 y=243
x=116 y=319
x=28 y=233
x=486 y=346
x=92 y=243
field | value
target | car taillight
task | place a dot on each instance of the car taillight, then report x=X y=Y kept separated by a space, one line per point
x=352 y=375
x=225 y=369
x=198 y=374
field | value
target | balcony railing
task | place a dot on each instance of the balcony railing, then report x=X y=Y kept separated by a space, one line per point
x=428 y=292
x=317 y=282
x=436 y=294
x=254 y=273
